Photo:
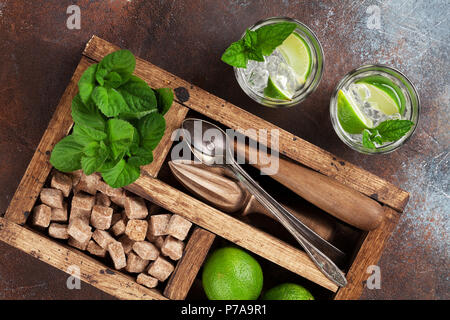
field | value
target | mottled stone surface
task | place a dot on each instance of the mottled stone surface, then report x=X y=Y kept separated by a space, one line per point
x=39 y=54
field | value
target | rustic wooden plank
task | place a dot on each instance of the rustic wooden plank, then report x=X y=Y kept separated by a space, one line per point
x=62 y=257
x=369 y=254
x=236 y=118
x=187 y=268
x=174 y=117
x=39 y=167
x=230 y=228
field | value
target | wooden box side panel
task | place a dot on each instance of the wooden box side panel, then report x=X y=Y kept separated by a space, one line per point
x=241 y=120
x=187 y=268
x=369 y=254
x=62 y=257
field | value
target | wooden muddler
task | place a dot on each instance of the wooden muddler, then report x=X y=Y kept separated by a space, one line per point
x=326 y=193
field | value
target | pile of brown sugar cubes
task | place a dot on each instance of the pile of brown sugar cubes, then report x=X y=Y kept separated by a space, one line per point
x=104 y=220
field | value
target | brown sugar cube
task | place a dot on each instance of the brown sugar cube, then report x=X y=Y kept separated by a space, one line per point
x=135 y=264
x=158 y=224
x=127 y=243
x=76 y=177
x=159 y=242
x=83 y=201
x=160 y=269
x=172 y=248
x=103 y=238
x=58 y=214
x=58 y=231
x=135 y=208
x=79 y=230
x=116 y=217
x=82 y=214
x=88 y=183
x=119 y=227
x=146 y=280
x=102 y=199
x=42 y=215
x=77 y=244
x=52 y=197
x=95 y=249
x=117 y=254
x=61 y=182
x=178 y=227
x=146 y=250
x=136 y=230
x=101 y=217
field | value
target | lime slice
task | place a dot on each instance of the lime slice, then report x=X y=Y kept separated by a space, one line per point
x=389 y=91
x=275 y=92
x=297 y=55
x=350 y=116
x=378 y=99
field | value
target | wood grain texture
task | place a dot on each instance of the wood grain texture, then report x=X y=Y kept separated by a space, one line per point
x=187 y=268
x=242 y=121
x=62 y=257
x=39 y=167
x=230 y=228
x=369 y=254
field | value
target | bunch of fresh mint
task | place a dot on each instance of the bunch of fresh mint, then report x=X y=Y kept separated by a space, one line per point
x=118 y=122
x=386 y=131
x=257 y=44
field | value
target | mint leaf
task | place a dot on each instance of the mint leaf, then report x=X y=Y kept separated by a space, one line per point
x=392 y=130
x=367 y=141
x=120 y=136
x=87 y=82
x=88 y=134
x=87 y=114
x=121 y=174
x=141 y=157
x=138 y=96
x=109 y=101
x=94 y=157
x=273 y=35
x=164 y=97
x=151 y=129
x=66 y=155
x=113 y=80
x=121 y=62
x=236 y=55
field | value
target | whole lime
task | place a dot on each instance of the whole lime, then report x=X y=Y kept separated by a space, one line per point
x=288 y=291
x=232 y=274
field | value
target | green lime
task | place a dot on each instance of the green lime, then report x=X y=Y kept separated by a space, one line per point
x=275 y=92
x=288 y=291
x=388 y=97
x=350 y=116
x=232 y=274
x=297 y=54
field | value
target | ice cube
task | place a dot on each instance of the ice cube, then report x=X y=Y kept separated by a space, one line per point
x=258 y=78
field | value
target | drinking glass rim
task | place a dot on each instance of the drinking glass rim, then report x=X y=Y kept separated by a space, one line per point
x=382 y=150
x=314 y=83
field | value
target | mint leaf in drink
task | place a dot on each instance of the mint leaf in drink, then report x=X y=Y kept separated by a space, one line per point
x=257 y=44
x=367 y=141
x=121 y=174
x=273 y=35
x=392 y=130
x=236 y=55
x=87 y=83
x=66 y=155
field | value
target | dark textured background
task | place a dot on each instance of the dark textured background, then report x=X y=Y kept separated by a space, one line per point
x=38 y=55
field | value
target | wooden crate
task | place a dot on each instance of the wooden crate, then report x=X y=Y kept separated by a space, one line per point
x=209 y=221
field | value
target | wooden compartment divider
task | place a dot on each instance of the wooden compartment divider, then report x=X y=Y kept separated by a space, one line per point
x=214 y=221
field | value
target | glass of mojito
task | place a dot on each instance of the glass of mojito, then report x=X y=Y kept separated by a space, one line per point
x=374 y=109
x=278 y=62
